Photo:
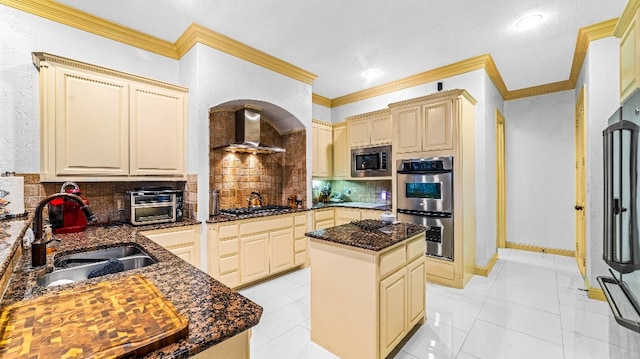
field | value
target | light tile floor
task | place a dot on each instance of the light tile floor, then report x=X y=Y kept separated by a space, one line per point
x=532 y=305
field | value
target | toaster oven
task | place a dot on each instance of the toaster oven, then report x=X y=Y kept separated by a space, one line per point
x=154 y=206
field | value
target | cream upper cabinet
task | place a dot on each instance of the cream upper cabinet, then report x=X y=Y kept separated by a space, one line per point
x=322 y=162
x=98 y=124
x=155 y=114
x=184 y=242
x=87 y=128
x=424 y=127
x=369 y=129
x=627 y=29
x=341 y=152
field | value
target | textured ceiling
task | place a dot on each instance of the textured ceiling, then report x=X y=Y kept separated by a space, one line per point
x=337 y=40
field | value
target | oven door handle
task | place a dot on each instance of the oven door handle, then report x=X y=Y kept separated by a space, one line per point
x=435 y=172
x=425 y=213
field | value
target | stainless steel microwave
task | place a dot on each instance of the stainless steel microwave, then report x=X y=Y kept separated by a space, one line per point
x=371 y=162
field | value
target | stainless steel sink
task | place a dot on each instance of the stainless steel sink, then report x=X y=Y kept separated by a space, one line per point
x=98 y=255
x=76 y=267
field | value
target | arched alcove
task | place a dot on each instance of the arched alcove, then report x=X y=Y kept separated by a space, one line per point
x=276 y=176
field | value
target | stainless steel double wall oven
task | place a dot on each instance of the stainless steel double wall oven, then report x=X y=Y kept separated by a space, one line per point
x=425 y=197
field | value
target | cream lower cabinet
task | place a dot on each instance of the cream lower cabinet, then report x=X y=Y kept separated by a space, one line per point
x=323 y=218
x=184 y=242
x=246 y=251
x=377 y=297
x=98 y=124
x=344 y=215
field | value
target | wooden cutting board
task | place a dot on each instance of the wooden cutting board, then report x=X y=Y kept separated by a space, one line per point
x=112 y=319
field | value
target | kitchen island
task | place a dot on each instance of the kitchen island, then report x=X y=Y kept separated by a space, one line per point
x=367 y=286
x=219 y=318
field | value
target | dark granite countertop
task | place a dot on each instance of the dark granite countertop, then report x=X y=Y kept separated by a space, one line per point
x=215 y=312
x=228 y=218
x=375 y=240
x=360 y=205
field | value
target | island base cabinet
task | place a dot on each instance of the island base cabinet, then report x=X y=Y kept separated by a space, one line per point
x=236 y=347
x=376 y=297
x=184 y=242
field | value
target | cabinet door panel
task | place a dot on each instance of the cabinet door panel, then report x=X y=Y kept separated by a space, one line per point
x=416 y=296
x=187 y=254
x=408 y=130
x=254 y=257
x=628 y=66
x=381 y=130
x=437 y=127
x=341 y=153
x=281 y=250
x=393 y=311
x=91 y=125
x=359 y=133
x=157 y=131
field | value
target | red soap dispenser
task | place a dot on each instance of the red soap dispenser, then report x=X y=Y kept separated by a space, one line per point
x=65 y=215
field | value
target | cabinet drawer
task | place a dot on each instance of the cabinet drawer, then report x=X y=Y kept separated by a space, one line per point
x=266 y=225
x=416 y=248
x=228 y=247
x=299 y=232
x=392 y=260
x=323 y=215
x=228 y=264
x=439 y=269
x=300 y=245
x=228 y=231
x=300 y=220
x=230 y=279
x=300 y=258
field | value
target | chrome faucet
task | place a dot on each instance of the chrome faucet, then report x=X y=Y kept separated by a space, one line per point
x=254 y=195
x=39 y=245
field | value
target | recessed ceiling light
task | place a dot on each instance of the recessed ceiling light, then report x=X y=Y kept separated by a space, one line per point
x=371 y=74
x=528 y=22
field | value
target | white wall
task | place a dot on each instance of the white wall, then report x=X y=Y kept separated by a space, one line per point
x=22 y=33
x=600 y=77
x=321 y=113
x=478 y=84
x=539 y=141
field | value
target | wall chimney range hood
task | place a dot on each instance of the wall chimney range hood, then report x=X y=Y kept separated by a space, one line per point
x=247 y=125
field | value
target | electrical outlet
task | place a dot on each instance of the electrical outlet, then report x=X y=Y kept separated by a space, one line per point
x=120 y=205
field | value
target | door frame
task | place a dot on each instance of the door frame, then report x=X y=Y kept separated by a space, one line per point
x=581 y=181
x=501 y=198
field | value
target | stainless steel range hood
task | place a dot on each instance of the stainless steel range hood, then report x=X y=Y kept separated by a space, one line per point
x=248 y=135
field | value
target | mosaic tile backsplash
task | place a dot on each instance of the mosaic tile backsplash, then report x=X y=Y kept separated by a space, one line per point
x=369 y=191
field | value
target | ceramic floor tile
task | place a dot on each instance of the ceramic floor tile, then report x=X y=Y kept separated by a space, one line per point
x=463 y=355
x=435 y=341
x=258 y=338
x=451 y=312
x=577 y=346
x=533 y=322
x=294 y=344
x=525 y=296
x=571 y=281
x=475 y=292
x=490 y=341
x=405 y=355
x=284 y=319
x=577 y=298
x=541 y=282
x=597 y=326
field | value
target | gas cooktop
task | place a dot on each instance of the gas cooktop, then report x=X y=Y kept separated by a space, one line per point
x=267 y=209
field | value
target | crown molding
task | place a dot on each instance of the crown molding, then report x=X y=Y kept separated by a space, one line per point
x=443 y=72
x=436 y=96
x=585 y=36
x=383 y=112
x=321 y=100
x=80 y=20
x=321 y=123
x=625 y=19
x=539 y=90
x=42 y=59
x=66 y=15
x=199 y=34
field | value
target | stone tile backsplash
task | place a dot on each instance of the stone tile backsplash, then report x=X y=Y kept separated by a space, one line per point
x=274 y=176
x=104 y=197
